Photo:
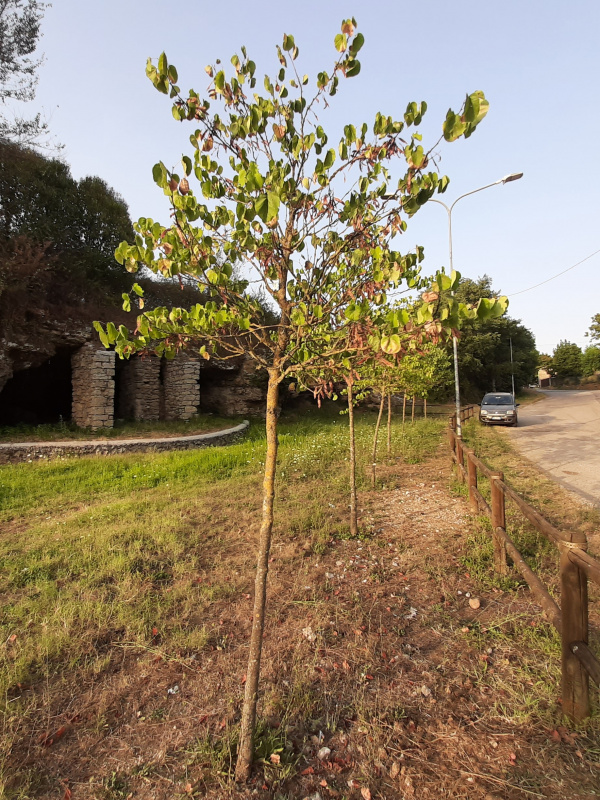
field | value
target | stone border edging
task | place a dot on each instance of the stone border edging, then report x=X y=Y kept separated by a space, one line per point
x=13 y=452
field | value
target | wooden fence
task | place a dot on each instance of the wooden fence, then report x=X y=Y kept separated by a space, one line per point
x=575 y=566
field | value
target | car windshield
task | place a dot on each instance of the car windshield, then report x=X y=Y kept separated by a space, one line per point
x=497 y=400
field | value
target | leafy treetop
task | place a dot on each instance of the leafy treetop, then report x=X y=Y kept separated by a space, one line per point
x=313 y=223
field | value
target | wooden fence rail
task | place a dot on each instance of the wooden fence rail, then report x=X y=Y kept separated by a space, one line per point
x=575 y=565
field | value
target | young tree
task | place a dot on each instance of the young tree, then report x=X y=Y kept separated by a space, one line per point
x=566 y=360
x=19 y=34
x=304 y=217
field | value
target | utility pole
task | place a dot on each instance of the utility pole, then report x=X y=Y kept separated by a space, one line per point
x=512 y=368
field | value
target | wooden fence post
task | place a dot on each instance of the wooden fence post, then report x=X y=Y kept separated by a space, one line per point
x=574 y=628
x=472 y=478
x=451 y=437
x=498 y=521
x=460 y=460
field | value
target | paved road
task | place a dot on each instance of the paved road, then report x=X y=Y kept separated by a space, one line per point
x=561 y=434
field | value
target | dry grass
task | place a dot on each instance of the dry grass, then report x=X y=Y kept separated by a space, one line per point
x=128 y=595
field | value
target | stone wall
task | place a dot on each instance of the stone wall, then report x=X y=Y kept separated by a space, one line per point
x=181 y=388
x=35 y=451
x=233 y=390
x=93 y=387
x=138 y=394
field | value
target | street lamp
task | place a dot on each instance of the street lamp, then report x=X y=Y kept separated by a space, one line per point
x=514 y=176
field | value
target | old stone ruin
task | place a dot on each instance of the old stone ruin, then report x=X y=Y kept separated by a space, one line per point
x=91 y=387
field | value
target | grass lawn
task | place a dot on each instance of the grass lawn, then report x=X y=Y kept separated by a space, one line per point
x=127 y=586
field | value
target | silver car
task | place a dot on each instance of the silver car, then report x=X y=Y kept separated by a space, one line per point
x=498 y=408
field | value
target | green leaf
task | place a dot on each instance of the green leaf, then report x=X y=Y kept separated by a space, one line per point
x=138 y=289
x=353 y=69
x=126 y=302
x=163 y=65
x=101 y=334
x=329 y=159
x=453 y=127
x=111 y=332
x=391 y=344
x=341 y=42
x=187 y=165
x=288 y=42
x=220 y=81
x=357 y=43
x=261 y=206
x=273 y=203
x=159 y=174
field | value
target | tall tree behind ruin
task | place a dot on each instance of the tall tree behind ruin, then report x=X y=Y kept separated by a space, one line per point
x=20 y=22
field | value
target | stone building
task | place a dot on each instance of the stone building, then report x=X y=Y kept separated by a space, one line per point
x=75 y=378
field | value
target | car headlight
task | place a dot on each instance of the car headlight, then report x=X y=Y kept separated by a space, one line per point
x=484 y=413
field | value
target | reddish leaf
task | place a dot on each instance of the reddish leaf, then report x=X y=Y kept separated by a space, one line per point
x=308 y=771
x=48 y=739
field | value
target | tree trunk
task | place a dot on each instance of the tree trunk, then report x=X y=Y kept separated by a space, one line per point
x=353 y=503
x=389 y=425
x=412 y=414
x=403 y=408
x=245 y=749
x=374 y=456
x=425 y=407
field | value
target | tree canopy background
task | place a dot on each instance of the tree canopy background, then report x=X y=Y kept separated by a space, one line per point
x=484 y=362
x=68 y=228
x=20 y=22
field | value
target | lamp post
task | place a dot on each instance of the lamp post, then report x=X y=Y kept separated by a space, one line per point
x=514 y=176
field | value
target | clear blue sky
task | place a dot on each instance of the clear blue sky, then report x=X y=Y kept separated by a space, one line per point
x=538 y=62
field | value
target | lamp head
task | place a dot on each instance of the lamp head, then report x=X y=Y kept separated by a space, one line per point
x=514 y=176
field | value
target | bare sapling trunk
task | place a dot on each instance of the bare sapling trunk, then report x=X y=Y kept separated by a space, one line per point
x=425 y=407
x=245 y=749
x=389 y=425
x=412 y=415
x=353 y=502
x=374 y=456
x=403 y=408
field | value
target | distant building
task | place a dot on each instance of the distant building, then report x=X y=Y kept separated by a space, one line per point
x=544 y=378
